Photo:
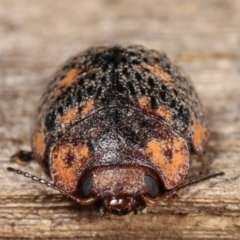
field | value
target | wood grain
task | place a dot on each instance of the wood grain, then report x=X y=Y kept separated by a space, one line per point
x=201 y=36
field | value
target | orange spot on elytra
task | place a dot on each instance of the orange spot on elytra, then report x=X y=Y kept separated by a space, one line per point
x=165 y=113
x=66 y=82
x=67 y=161
x=172 y=157
x=162 y=76
x=144 y=103
x=38 y=144
x=69 y=116
x=200 y=135
x=69 y=79
x=87 y=107
x=162 y=111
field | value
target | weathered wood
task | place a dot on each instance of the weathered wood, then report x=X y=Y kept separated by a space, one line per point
x=202 y=36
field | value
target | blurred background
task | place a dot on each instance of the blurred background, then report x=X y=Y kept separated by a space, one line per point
x=202 y=36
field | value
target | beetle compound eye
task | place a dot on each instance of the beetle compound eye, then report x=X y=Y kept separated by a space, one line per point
x=152 y=186
x=86 y=187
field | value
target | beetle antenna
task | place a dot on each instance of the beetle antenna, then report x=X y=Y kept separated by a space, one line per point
x=173 y=191
x=48 y=184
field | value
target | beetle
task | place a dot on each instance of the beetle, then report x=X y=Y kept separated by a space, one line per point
x=116 y=126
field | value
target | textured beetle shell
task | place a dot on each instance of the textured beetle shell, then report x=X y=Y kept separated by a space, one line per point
x=118 y=106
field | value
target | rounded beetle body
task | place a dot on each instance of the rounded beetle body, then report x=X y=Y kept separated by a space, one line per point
x=117 y=124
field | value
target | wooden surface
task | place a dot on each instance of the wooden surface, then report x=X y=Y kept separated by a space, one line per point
x=201 y=36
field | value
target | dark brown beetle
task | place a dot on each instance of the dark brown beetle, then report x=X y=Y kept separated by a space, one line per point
x=116 y=126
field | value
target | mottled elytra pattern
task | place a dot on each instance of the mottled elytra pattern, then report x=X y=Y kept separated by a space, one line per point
x=116 y=108
x=101 y=74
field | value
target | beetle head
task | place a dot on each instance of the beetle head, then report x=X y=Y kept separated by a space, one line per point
x=120 y=190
